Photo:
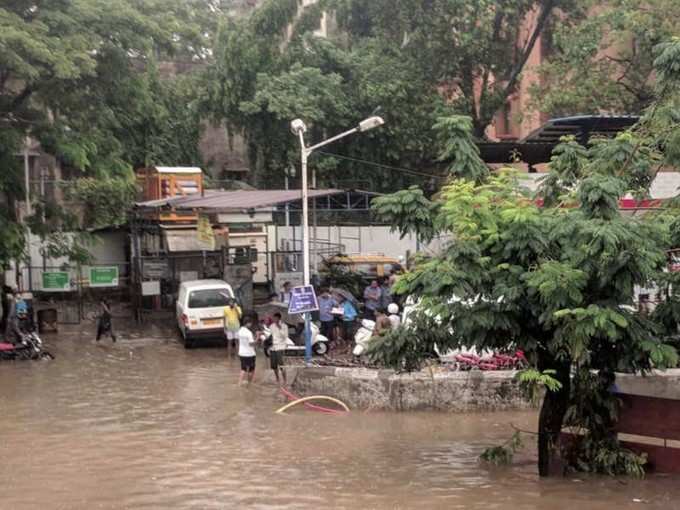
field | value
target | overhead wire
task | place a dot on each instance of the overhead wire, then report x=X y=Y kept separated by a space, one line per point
x=380 y=165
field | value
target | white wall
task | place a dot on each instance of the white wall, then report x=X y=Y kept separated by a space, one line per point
x=349 y=240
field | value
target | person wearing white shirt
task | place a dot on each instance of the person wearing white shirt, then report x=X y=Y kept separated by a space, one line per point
x=246 y=351
x=279 y=330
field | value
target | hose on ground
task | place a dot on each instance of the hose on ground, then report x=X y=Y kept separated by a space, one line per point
x=313 y=397
x=326 y=410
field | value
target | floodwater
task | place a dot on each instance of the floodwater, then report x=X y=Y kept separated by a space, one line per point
x=144 y=424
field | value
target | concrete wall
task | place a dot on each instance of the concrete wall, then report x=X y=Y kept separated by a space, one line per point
x=446 y=391
x=386 y=390
x=660 y=384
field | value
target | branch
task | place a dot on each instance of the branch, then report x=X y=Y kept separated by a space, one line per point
x=497 y=25
x=546 y=10
x=21 y=98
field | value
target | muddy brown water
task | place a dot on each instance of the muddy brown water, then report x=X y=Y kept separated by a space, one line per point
x=144 y=424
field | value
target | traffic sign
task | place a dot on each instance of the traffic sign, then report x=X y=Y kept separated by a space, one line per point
x=302 y=300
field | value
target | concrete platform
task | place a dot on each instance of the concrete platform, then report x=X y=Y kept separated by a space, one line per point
x=446 y=391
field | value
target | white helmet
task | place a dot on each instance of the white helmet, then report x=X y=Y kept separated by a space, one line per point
x=393 y=308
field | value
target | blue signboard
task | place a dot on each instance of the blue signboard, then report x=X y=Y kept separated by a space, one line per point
x=302 y=300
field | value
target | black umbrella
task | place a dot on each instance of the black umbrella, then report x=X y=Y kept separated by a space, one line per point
x=346 y=294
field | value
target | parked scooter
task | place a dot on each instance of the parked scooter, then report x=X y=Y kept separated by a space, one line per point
x=319 y=342
x=29 y=348
x=363 y=336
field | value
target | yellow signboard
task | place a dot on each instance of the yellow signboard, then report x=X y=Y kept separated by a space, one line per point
x=205 y=232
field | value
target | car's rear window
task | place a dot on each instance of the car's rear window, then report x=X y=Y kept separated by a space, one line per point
x=208 y=298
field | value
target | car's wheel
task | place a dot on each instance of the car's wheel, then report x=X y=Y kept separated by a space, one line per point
x=320 y=348
x=188 y=342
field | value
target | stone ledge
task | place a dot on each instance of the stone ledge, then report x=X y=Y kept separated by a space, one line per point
x=362 y=388
x=658 y=383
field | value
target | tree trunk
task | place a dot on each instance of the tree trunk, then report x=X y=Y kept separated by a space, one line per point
x=551 y=416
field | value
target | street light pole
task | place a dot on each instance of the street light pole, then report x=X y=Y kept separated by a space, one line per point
x=299 y=128
x=305 y=210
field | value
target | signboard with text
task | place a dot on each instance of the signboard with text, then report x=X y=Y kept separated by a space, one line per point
x=156 y=269
x=104 y=276
x=302 y=300
x=151 y=288
x=56 y=281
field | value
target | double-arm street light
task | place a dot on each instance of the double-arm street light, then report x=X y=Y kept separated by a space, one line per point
x=299 y=128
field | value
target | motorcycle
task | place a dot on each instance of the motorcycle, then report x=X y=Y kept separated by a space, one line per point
x=363 y=336
x=319 y=342
x=30 y=347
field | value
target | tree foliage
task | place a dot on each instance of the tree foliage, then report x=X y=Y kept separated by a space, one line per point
x=602 y=57
x=557 y=281
x=416 y=61
x=80 y=78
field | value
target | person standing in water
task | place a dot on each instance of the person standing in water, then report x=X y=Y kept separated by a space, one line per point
x=104 y=324
x=246 y=351
x=232 y=321
x=279 y=331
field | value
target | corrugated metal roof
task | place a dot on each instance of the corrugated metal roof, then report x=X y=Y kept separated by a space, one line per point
x=583 y=127
x=178 y=170
x=236 y=200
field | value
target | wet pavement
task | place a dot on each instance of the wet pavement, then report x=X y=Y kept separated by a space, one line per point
x=145 y=424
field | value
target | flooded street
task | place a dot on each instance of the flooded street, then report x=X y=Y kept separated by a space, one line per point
x=145 y=424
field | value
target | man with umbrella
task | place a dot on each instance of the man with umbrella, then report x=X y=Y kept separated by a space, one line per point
x=349 y=313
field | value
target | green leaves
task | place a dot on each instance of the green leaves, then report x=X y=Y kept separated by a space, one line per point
x=454 y=135
x=502 y=455
x=662 y=355
x=592 y=67
x=301 y=92
x=407 y=211
x=79 y=77
x=534 y=382
x=104 y=202
x=667 y=63
x=559 y=285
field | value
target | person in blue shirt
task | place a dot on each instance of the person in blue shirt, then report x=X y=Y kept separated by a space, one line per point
x=349 y=315
x=372 y=300
x=326 y=305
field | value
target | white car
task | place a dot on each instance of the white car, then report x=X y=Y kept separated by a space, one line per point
x=200 y=309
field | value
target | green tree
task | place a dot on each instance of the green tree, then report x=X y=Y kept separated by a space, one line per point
x=80 y=78
x=602 y=57
x=556 y=281
x=417 y=61
x=473 y=51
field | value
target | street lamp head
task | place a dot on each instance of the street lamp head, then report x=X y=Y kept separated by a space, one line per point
x=298 y=126
x=370 y=123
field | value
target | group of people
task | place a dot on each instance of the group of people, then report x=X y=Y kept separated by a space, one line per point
x=379 y=306
x=337 y=314
x=246 y=333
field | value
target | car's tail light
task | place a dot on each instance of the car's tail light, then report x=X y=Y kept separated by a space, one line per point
x=185 y=319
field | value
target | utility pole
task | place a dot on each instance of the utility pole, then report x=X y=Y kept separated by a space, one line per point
x=299 y=128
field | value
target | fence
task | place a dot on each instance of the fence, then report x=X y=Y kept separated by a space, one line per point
x=76 y=290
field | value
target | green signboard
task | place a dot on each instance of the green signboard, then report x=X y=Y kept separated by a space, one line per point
x=55 y=281
x=104 y=276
